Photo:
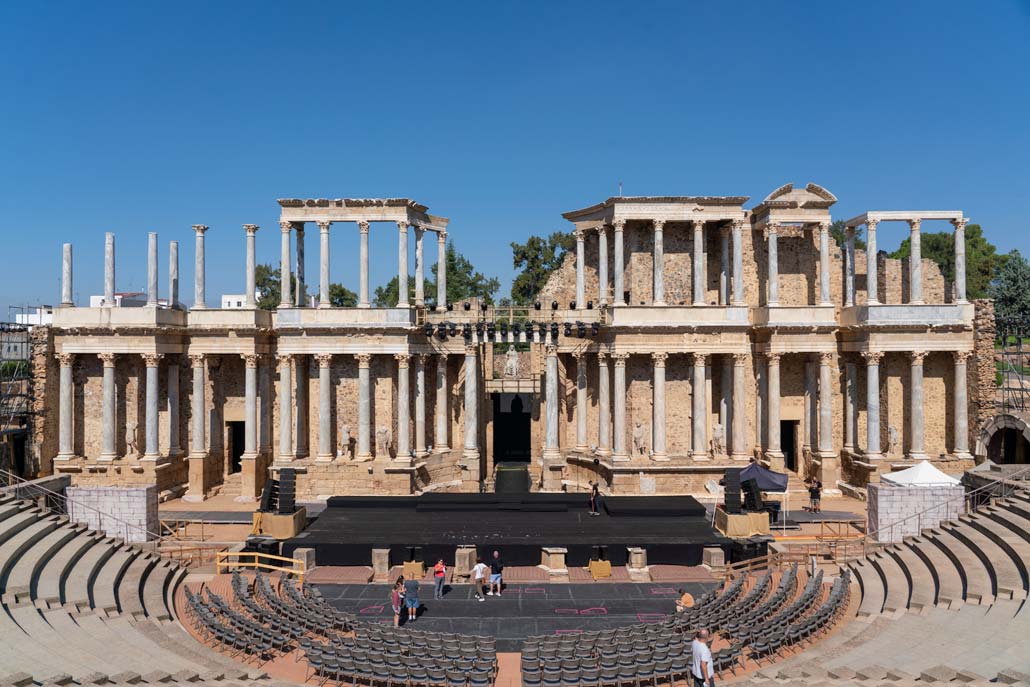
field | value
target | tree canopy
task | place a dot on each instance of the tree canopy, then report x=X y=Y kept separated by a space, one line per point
x=982 y=259
x=463 y=283
x=838 y=234
x=386 y=295
x=1010 y=289
x=537 y=258
x=268 y=284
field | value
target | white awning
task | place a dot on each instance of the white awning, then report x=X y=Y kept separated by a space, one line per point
x=922 y=474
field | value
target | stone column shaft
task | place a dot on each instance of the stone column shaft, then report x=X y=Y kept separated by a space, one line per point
x=699 y=264
x=659 y=263
x=402 y=265
x=725 y=393
x=773 y=407
x=602 y=265
x=109 y=269
x=619 y=297
x=659 y=450
x=826 y=366
x=551 y=403
x=323 y=264
x=325 y=408
x=471 y=452
x=285 y=282
x=581 y=294
x=364 y=407
x=173 y=408
x=824 y=264
x=872 y=263
x=849 y=274
x=108 y=449
x=300 y=298
x=420 y=268
x=739 y=430
x=724 y=267
x=581 y=402
x=440 y=430
x=420 y=405
x=915 y=263
x=738 y=262
x=363 y=266
x=960 y=260
x=286 y=407
x=917 y=450
x=441 y=271
x=250 y=275
x=152 y=269
x=152 y=439
x=961 y=442
x=173 y=274
x=250 y=405
x=604 y=424
x=65 y=436
x=850 y=404
x=872 y=404
x=699 y=412
x=403 y=406
x=198 y=412
x=773 y=297
x=66 y=275
x=199 y=292
x=619 y=448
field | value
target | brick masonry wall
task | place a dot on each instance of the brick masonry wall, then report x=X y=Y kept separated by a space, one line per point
x=44 y=392
x=132 y=510
x=889 y=505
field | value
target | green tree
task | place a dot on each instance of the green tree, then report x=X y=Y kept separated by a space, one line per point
x=1009 y=290
x=385 y=296
x=268 y=285
x=982 y=259
x=342 y=297
x=838 y=234
x=463 y=281
x=537 y=258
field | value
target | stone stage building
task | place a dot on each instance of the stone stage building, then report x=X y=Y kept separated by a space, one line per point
x=683 y=335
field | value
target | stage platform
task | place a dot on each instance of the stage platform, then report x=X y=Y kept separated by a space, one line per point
x=673 y=529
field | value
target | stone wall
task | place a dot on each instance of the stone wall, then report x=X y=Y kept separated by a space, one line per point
x=981 y=369
x=891 y=505
x=129 y=513
x=43 y=391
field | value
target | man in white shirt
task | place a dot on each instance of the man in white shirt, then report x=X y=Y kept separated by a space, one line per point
x=479 y=578
x=701 y=656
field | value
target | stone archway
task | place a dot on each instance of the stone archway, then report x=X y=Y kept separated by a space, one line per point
x=1005 y=438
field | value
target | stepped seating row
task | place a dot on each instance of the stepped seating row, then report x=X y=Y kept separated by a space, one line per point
x=979 y=558
x=79 y=603
x=814 y=676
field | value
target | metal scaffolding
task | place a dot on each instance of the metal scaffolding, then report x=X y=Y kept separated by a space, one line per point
x=1012 y=361
x=15 y=398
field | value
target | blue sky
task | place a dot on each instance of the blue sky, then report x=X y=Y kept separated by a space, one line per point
x=143 y=116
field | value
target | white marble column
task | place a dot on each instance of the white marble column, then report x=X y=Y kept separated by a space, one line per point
x=827 y=364
x=810 y=439
x=699 y=411
x=403 y=406
x=285 y=281
x=441 y=271
x=471 y=453
x=151 y=434
x=725 y=393
x=699 y=263
x=738 y=438
x=173 y=274
x=824 y=264
x=872 y=404
x=850 y=406
x=285 y=408
x=960 y=259
x=109 y=269
x=581 y=402
x=420 y=268
x=738 y=261
x=108 y=449
x=364 y=407
x=773 y=295
x=325 y=408
x=199 y=269
x=198 y=411
x=916 y=445
x=302 y=404
x=724 y=266
x=152 y=269
x=849 y=267
x=402 y=265
x=301 y=296
x=67 y=298
x=602 y=265
x=915 y=262
x=420 y=405
x=250 y=267
x=250 y=393
x=363 y=301
x=659 y=263
x=659 y=450
x=172 y=376
x=619 y=452
x=619 y=297
x=961 y=441
x=872 y=261
x=440 y=442
x=581 y=294
x=66 y=408
x=604 y=417
x=323 y=263
x=551 y=403
x=772 y=425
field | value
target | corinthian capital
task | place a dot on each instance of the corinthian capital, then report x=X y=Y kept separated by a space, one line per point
x=323 y=225
x=700 y=359
x=324 y=359
x=152 y=359
x=251 y=359
x=914 y=225
x=363 y=226
x=580 y=235
x=620 y=359
x=364 y=359
x=619 y=224
x=107 y=359
x=872 y=357
x=659 y=224
x=197 y=359
x=917 y=357
x=773 y=358
x=403 y=360
x=740 y=358
x=402 y=226
x=285 y=227
x=200 y=228
x=251 y=229
x=962 y=356
x=659 y=358
x=960 y=223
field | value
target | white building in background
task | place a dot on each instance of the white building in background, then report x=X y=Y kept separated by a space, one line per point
x=133 y=299
x=43 y=315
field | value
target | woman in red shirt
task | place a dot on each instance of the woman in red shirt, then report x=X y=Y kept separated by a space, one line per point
x=396 y=600
x=439 y=577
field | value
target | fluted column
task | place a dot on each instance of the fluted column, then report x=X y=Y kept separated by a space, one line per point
x=403 y=406
x=151 y=434
x=551 y=403
x=960 y=259
x=724 y=266
x=872 y=268
x=824 y=264
x=109 y=269
x=961 y=441
x=581 y=402
x=285 y=408
x=604 y=417
x=470 y=455
x=602 y=265
x=250 y=290
x=441 y=271
x=402 y=265
x=659 y=451
x=198 y=412
x=699 y=263
x=773 y=296
x=738 y=261
x=738 y=449
x=302 y=403
x=285 y=282
x=619 y=297
x=323 y=263
x=325 y=408
x=850 y=405
x=173 y=274
x=199 y=269
x=872 y=404
x=849 y=268
x=915 y=262
x=420 y=404
x=619 y=452
x=108 y=449
x=772 y=442
x=580 y=268
x=659 y=263
x=827 y=364
x=67 y=299
x=420 y=268
x=699 y=411
x=917 y=447
x=364 y=407
x=301 y=297
x=66 y=408
x=440 y=430
x=152 y=269
x=250 y=393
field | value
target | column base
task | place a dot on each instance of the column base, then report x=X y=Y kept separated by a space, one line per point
x=913 y=455
x=324 y=458
x=364 y=458
x=604 y=452
x=700 y=456
x=620 y=457
x=740 y=456
x=775 y=458
x=581 y=448
x=962 y=455
x=660 y=457
x=658 y=303
x=420 y=453
x=176 y=453
x=875 y=455
x=404 y=306
x=364 y=306
x=551 y=454
x=441 y=448
x=64 y=456
x=107 y=457
x=283 y=460
x=151 y=457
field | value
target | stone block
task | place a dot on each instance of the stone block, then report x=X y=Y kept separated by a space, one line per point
x=126 y=678
x=16 y=680
x=59 y=679
x=1010 y=676
x=307 y=556
x=713 y=557
x=552 y=558
x=872 y=672
x=637 y=558
x=938 y=674
x=464 y=561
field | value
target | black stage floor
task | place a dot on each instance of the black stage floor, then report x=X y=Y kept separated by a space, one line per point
x=523 y=610
x=673 y=529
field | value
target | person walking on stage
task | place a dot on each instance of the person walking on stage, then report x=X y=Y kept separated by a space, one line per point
x=411 y=598
x=701 y=667
x=496 y=568
x=815 y=495
x=439 y=578
x=396 y=600
x=479 y=578
x=595 y=497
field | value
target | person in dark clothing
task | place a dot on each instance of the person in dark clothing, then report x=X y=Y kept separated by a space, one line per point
x=411 y=597
x=496 y=568
x=815 y=495
x=595 y=499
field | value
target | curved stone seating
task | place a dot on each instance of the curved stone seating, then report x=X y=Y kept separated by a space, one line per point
x=897 y=585
x=950 y=586
x=872 y=587
x=922 y=585
x=1016 y=546
x=996 y=558
x=979 y=587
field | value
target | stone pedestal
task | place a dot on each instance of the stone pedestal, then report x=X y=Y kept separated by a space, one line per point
x=552 y=559
x=380 y=565
x=464 y=561
x=713 y=557
x=307 y=558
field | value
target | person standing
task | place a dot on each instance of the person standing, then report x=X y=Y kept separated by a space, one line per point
x=702 y=668
x=496 y=569
x=439 y=578
x=815 y=495
x=595 y=498
x=411 y=598
x=396 y=600
x=479 y=571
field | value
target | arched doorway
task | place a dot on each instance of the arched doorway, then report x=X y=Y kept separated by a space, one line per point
x=1005 y=439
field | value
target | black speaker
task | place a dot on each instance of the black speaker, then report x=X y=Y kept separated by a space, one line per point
x=416 y=554
x=287 y=491
x=752 y=497
x=599 y=552
x=732 y=490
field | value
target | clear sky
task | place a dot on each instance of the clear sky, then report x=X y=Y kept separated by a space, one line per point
x=143 y=116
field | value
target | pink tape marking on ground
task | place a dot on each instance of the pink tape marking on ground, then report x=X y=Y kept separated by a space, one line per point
x=534 y=590
x=597 y=610
x=650 y=617
x=372 y=610
x=567 y=611
x=662 y=590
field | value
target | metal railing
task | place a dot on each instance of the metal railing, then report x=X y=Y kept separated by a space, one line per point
x=226 y=561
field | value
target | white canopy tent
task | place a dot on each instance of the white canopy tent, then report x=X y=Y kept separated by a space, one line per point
x=922 y=474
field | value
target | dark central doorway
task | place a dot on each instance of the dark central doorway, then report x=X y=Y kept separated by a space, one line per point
x=237 y=442
x=789 y=444
x=512 y=443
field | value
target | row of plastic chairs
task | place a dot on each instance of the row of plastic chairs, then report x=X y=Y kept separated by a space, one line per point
x=349 y=671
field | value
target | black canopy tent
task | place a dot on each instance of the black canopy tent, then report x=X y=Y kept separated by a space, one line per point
x=766 y=479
